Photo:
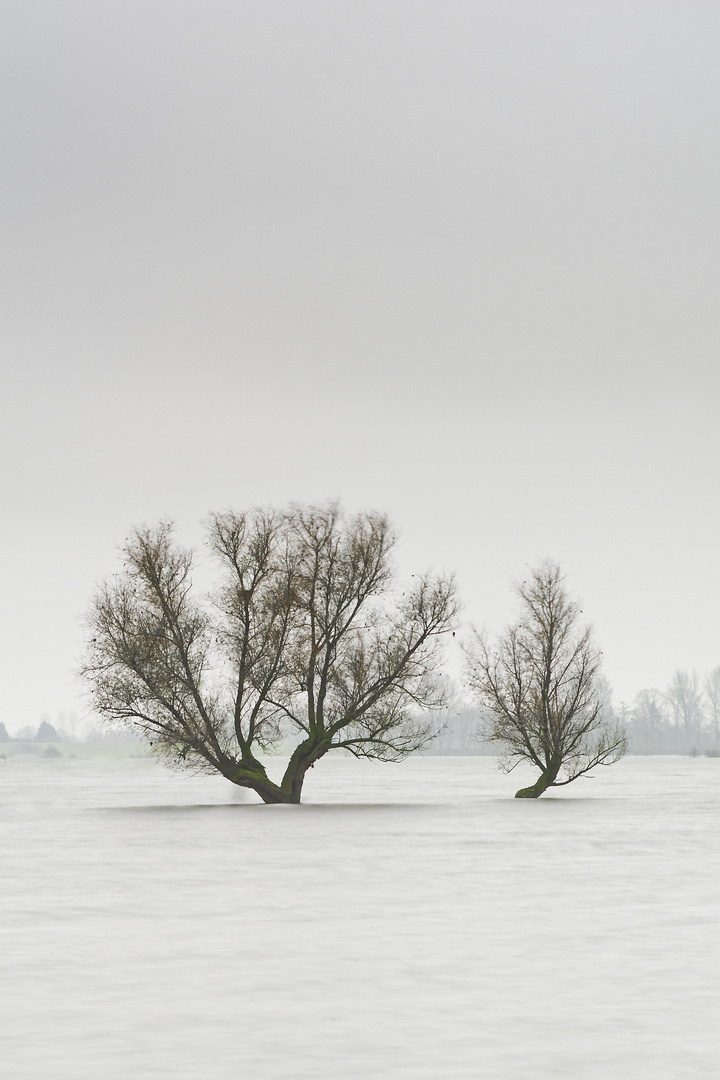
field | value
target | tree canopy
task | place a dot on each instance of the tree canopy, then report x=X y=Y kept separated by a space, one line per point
x=306 y=638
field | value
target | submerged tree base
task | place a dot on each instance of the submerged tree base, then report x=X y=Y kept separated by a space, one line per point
x=534 y=792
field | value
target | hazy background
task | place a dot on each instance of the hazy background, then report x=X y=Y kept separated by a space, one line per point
x=456 y=261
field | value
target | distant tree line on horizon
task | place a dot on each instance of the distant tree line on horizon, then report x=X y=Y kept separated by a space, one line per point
x=67 y=728
x=683 y=719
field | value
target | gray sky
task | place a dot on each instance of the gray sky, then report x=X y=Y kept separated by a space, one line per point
x=456 y=261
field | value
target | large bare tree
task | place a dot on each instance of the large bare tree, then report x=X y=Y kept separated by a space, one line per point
x=306 y=638
x=540 y=688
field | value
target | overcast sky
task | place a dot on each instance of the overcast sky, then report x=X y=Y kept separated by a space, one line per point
x=458 y=261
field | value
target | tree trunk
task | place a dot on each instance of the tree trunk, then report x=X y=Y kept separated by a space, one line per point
x=304 y=757
x=543 y=782
x=271 y=794
x=251 y=774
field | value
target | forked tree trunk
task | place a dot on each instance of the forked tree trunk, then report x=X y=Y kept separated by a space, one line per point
x=251 y=773
x=271 y=794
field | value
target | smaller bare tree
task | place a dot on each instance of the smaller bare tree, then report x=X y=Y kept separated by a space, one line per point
x=540 y=687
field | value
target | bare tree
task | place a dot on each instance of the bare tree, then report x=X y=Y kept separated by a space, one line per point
x=686 y=704
x=455 y=725
x=541 y=689
x=648 y=721
x=712 y=695
x=305 y=637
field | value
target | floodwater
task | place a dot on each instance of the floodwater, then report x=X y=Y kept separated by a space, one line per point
x=409 y=921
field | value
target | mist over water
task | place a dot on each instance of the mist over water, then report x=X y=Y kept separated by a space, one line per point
x=407 y=921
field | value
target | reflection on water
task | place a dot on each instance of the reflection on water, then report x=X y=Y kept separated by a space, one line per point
x=409 y=921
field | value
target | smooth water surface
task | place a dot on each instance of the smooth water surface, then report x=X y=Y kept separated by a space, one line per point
x=408 y=921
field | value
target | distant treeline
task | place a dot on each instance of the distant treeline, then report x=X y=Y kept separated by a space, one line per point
x=683 y=719
x=67 y=729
